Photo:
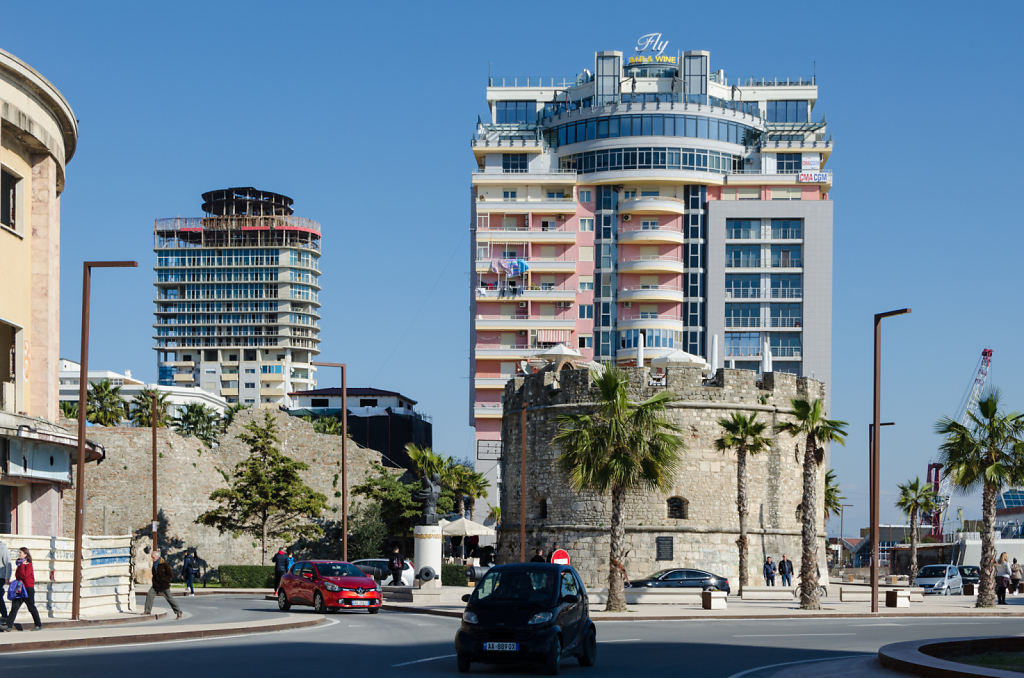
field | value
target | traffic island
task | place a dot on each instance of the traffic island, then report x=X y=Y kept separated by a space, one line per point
x=957 y=657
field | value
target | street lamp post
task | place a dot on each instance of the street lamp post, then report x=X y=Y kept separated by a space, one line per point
x=153 y=424
x=874 y=457
x=83 y=394
x=841 y=542
x=344 y=457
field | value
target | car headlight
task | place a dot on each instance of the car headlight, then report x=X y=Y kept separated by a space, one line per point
x=540 y=618
x=332 y=587
x=470 y=617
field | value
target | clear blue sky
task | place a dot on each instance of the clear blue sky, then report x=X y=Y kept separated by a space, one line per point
x=362 y=112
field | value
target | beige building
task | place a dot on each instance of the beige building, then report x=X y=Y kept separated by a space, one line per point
x=38 y=135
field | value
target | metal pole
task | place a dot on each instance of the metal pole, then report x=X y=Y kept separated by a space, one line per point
x=522 y=483
x=344 y=454
x=83 y=386
x=153 y=423
x=875 y=457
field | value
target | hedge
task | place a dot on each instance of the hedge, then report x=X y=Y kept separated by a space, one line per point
x=453 y=575
x=247 y=576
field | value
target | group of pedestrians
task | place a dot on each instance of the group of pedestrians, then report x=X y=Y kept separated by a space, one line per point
x=784 y=569
x=1008 y=577
x=21 y=590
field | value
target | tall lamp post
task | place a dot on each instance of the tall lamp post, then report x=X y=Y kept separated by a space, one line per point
x=153 y=424
x=83 y=393
x=874 y=458
x=842 y=548
x=344 y=458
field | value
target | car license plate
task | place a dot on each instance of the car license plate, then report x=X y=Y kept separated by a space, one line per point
x=360 y=602
x=501 y=647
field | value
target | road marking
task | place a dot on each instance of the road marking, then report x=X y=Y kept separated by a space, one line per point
x=790 y=635
x=420 y=661
x=621 y=640
x=802 y=661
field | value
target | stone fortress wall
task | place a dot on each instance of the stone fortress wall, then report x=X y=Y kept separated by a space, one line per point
x=705 y=479
x=119 y=489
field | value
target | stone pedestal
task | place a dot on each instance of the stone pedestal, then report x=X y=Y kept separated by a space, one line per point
x=428 y=549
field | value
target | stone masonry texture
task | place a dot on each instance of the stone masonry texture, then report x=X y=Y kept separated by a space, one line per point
x=119 y=489
x=705 y=478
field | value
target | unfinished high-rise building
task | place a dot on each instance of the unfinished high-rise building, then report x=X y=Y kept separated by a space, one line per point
x=237 y=303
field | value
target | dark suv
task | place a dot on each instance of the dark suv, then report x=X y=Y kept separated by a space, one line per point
x=527 y=612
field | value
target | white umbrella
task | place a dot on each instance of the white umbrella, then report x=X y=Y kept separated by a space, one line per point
x=678 y=357
x=766 y=358
x=559 y=355
x=464 y=527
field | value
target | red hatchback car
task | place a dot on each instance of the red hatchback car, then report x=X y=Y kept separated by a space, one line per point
x=328 y=585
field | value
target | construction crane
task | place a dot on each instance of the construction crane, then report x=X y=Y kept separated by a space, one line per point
x=941 y=484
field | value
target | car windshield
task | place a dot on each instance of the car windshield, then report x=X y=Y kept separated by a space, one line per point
x=537 y=586
x=338 y=570
x=932 y=571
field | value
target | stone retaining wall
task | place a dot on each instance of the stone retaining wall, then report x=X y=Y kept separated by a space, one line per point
x=706 y=478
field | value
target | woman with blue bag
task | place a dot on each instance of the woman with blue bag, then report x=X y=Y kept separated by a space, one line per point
x=23 y=590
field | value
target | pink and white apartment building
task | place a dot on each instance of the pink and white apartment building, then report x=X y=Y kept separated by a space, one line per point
x=652 y=199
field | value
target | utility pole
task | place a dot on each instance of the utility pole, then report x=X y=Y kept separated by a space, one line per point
x=344 y=456
x=153 y=425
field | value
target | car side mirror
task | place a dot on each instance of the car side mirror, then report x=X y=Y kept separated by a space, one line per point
x=570 y=598
x=465 y=597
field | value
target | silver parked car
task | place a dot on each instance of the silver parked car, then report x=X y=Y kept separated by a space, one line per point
x=943 y=580
x=378 y=569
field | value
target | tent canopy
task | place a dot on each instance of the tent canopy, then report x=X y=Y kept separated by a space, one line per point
x=463 y=527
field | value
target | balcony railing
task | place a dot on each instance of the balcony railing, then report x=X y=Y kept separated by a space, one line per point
x=786 y=322
x=758 y=293
x=742 y=322
x=649 y=315
x=674 y=260
x=561 y=228
x=787 y=233
x=635 y=288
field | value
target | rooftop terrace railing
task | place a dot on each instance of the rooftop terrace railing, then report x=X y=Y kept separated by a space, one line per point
x=227 y=223
x=540 y=81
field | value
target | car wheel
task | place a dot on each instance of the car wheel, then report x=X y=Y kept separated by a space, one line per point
x=588 y=655
x=463 y=663
x=374 y=610
x=554 y=660
x=318 y=603
x=282 y=601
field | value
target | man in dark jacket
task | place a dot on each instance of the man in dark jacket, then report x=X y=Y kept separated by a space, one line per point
x=396 y=564
x=786 y=570
x=538 y=557
x=161 y=584
x=280 y=561
x=769 y=572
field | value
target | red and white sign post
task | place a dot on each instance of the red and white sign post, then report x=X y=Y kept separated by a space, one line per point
x=560 y=557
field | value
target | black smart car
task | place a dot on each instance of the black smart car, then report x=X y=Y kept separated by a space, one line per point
x=970 y=574
x=527 y=612
x=683 y=578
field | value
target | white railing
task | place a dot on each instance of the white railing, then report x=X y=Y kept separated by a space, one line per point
x=675 y=260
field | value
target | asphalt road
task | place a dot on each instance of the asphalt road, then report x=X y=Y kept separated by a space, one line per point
x=404 y=644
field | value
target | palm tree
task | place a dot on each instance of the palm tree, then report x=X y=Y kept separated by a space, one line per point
x=329 y=425
x=745 y=435
x=914 y=500
x=104 y=405
x=198 y=420
x=466 y=484
x=476 y=488
x=833 y=499
x=229 y=415
x=69 y=409
x=987 y=451
x=495 y=515
x=425 y=461
x=141 y=408
x=811 y=423
x=618 y=447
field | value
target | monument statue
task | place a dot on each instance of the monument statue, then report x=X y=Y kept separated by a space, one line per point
x=428 y=493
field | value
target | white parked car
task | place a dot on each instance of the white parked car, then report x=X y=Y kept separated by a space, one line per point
x=943 y=580
x=378 y=569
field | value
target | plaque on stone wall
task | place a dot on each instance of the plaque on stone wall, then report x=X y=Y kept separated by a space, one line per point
x=663 y=547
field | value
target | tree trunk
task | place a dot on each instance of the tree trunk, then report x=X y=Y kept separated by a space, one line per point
x=263 y=543
x=987 y=582
x=913 y=545
x=617 y=539
x=741 y=508
x=808 y=536
x=460 y=505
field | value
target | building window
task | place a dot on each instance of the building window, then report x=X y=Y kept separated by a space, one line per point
x=787 y=163
x=517 y=162
x=8 y=199
x=787 y=229
x=508 y=196
x=515 y=111
x=742 y=229
x=320 y=402
x=586 y=282
x=367 y=402
x=650 y=225
x=586 y=310
x=586 y=196
x=678 y=508
x=250 y=384
x=542 y=509
x=786 y=111
x=587 y=224
x=586 y=341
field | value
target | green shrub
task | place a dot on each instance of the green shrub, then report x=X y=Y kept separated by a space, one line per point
x=247 y=576
x=453 y=575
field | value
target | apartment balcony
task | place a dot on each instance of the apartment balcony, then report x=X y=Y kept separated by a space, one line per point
x=522 y=322
x=271 y=391
x=530 y=293
x=638 y=320
x=640 y=235
x=487 y=410
x=652 y=264
x=562 y=234
x=496 y=177
x=824 y=145
x=536 y=264
x=759 y=323
x=649 y=352
x=271 y=377
x=180 y=378
x=760 y=266
x=671 y=293
x=229 y=392
x=526 y=205
x=491 y=382
x=653 y=205
x=752 y=177
x=788 y=293
x=181 y=363
x=754 y=352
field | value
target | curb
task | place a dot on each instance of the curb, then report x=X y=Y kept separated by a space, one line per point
x=911 y=657
x=68 y=624
x=139 y=638
x=691 y=617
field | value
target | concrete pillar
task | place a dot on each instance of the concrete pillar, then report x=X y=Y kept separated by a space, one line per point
x=428 y=549
x=43 y=345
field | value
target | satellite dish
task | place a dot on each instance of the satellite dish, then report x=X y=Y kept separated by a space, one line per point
x=524 y=366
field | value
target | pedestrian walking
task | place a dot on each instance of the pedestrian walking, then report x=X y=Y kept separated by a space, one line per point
x=291 y=559
x=5 y=576
x=396 y=563
x=538 y=556
x=27 y=577
x=1015 y=576
x=786 y=570
x=162 y=575
x=1003 y=573
x=769 y=572
x=190 y=570
x=280 y=561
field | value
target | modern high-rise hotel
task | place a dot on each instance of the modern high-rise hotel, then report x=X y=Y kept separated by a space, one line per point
x=652 y=199
x=237 y=305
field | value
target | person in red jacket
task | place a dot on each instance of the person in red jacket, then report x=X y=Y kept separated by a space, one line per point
x=27 y=577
